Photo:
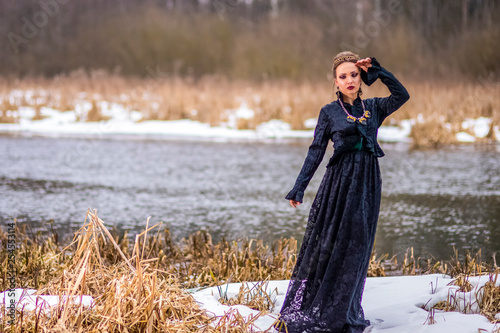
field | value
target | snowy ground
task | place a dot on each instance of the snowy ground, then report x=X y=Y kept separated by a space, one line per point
x=26 y=300
x=392 y=304
x=123 y=121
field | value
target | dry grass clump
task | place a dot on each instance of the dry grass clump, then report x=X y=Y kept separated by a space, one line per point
x=385 y=266
x=470 y=265
x=95 y=113
x=490 y=301
x=256 y=297
x=458 y=266
x=439 y=108
x=8 y=112
x=131 y=294
x=462 y=281
x=38 y=260
x=417 y=266
x=443 y=108
x=431 y=134
x=382 y=265
x=200 y=262
x=233 y=322
x=486 y=298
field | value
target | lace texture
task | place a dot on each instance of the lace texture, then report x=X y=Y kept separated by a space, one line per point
x=327 y=283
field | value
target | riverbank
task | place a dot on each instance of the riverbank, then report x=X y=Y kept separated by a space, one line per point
x=125 y=124
x=155 y=284
x=101 y=104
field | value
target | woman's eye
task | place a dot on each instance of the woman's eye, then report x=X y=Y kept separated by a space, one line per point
x=342 y=77
x=354 y=74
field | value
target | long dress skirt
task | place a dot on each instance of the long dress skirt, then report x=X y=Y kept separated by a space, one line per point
x=324 y=294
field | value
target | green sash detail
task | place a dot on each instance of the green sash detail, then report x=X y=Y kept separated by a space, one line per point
x=359 y=145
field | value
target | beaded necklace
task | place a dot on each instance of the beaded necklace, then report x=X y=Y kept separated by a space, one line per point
x=351 y=118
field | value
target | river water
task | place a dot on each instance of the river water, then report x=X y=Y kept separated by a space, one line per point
x=432 y=200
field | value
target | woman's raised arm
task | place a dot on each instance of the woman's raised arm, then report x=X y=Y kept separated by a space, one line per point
x=399 y=94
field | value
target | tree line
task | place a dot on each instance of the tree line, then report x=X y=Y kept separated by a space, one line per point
x=255 y=39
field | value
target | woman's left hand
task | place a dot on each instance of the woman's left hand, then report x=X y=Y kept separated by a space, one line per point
x=364 y=64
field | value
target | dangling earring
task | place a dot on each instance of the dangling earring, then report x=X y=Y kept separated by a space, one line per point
x=360 y=91
x=338 y=93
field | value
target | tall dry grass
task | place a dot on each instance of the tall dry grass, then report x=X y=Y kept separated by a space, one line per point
x=131 y=292
x=437 y=109
x=486 y=298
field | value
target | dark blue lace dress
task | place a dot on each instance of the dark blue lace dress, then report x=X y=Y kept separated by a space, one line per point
x=327 y=283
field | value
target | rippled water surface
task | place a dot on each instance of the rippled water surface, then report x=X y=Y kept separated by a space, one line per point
x=432 y=200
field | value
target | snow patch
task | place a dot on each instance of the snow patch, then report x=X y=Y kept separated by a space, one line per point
x=392 y=304
x=479 y=126
x=26 y=300
x=465 y=137
x=233 y=115
x=310 y=123
x=395 y=133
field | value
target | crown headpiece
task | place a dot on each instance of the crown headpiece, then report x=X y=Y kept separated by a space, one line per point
x=344 y=58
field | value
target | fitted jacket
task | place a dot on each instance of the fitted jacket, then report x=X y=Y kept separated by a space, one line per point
x=333 y=125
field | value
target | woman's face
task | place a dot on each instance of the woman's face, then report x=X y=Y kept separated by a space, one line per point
x=348 y=78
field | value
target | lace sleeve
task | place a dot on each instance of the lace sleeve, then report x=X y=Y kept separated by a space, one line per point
x=399 y=94
x=314 y=157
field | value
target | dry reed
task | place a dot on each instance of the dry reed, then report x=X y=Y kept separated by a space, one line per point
x=199 y=262
x=487 y=298
x=130 y=293
x=256 y=297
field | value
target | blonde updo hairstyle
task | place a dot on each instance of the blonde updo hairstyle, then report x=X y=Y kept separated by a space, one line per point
x=346 y=56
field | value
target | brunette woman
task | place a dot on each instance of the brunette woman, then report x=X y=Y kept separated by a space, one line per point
x=327 y=283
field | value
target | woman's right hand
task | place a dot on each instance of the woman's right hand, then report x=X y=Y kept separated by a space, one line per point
x=364 y=64
x=294 y=203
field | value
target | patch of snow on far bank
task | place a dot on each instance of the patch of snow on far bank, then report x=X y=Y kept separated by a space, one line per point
x=395 y=133
x=479 y=126
x=121 y=120
x=465 y=137
x=310 y=123
x=477 y=129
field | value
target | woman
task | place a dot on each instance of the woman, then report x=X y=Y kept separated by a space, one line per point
x=327 y=283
